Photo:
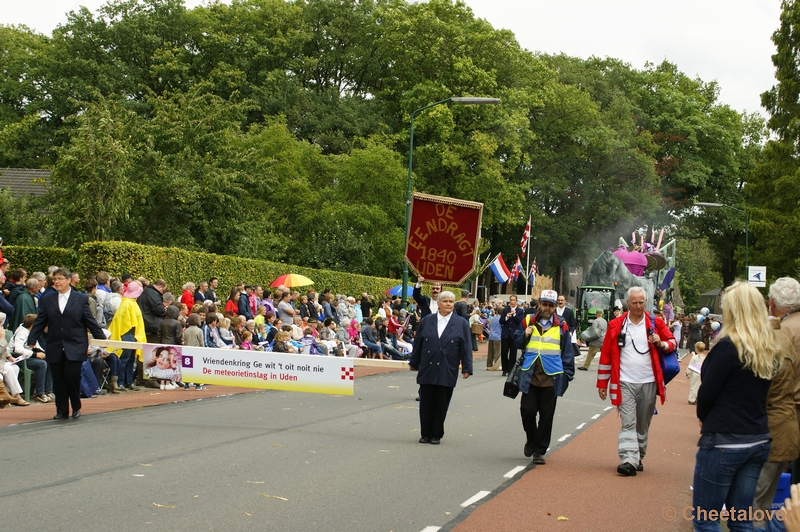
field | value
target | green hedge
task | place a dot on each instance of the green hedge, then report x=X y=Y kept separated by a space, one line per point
x=37 y=259
x=177 y=266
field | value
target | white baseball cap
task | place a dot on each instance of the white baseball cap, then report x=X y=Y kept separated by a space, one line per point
x=550 y=296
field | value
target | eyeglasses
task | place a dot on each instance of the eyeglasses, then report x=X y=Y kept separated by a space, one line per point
x=436 y=289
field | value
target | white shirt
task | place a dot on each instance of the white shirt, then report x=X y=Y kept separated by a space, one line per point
x=635 y=367
x=62 y=300
x=434 y=306
x=442 y=323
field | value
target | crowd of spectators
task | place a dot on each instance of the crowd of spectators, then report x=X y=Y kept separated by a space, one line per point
x=251 y=317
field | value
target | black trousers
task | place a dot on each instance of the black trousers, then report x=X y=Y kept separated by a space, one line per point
x=508 y=354
x=541 y=401
x=433 y=403
x=66 y=384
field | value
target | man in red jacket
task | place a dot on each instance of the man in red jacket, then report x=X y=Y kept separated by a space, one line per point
x=630 y=372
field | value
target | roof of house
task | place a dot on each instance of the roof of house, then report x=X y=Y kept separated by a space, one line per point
x=24 y=181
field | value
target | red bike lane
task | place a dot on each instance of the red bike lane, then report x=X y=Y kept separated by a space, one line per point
x=579 y=488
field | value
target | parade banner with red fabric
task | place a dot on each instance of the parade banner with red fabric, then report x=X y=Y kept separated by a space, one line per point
x=443 y=238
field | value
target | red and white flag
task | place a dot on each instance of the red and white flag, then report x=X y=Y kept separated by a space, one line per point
x=523 y=243
x=516 y=270
x=533 y=272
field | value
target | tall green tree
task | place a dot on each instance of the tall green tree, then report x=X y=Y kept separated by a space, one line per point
x=774 y=186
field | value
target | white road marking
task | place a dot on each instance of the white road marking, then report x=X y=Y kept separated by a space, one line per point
x=514 y=471
x=579 y=427
x=564 y=437
x=431 y=528
x=475 y=498
x=608 y=408
x=595 y=416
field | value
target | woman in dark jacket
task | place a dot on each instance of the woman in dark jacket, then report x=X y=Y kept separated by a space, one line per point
x=732 y=408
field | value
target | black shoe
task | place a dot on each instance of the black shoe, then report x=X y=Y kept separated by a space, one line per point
x=640 y=467
x=538 y=459
x=528 y=450
x=626 y=470
x=436 y=441
x=60 y=416
x=504 y=374
x=417 y=398
x=424 y=440
x=76 y=414
x=582 y=368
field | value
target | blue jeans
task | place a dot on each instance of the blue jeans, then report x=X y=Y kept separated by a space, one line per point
x=113 y=365
x=373 y=347
x=41 y=374
x=127 y=362
x=729 y=477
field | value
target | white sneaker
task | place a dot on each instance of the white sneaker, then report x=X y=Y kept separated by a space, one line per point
x=161 y=386
x=171 y=386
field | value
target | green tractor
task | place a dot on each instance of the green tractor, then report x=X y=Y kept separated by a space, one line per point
x=590 y=300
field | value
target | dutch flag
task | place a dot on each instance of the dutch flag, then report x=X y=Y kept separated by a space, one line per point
x=499 y=269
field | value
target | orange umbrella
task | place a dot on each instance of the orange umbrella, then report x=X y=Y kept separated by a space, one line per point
x=291 y=280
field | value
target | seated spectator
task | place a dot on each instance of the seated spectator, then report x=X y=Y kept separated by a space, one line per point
x=247 y=340
x=343 y=337
x=388 y=350
x=210 y=332
x=297 y=328
x=310 y=345
x=34 y=358
x=225 y=331
x=327 y=337
x=10 y=374
x=237 y=328
x=250 y=325
x=260 y=339
x=370 y=340
x=354 y=332
x=281 y=343
x=276 y=327
x=295 y=343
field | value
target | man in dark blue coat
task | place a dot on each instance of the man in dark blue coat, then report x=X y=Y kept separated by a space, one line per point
x=510 y=319
x=427 y=305
x=442 y=343
x=67 y=317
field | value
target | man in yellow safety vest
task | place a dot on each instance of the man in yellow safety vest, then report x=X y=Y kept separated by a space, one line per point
x=548 y=364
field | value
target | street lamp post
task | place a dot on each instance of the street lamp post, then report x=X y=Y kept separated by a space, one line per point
x=453 y=99
x=746 y=229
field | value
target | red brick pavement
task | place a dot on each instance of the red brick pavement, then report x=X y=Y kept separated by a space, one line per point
x=579 y=489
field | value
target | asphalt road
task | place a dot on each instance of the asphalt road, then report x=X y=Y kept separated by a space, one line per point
x=277 y=461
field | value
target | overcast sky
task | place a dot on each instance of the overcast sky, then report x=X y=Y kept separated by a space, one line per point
x=723 y=40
